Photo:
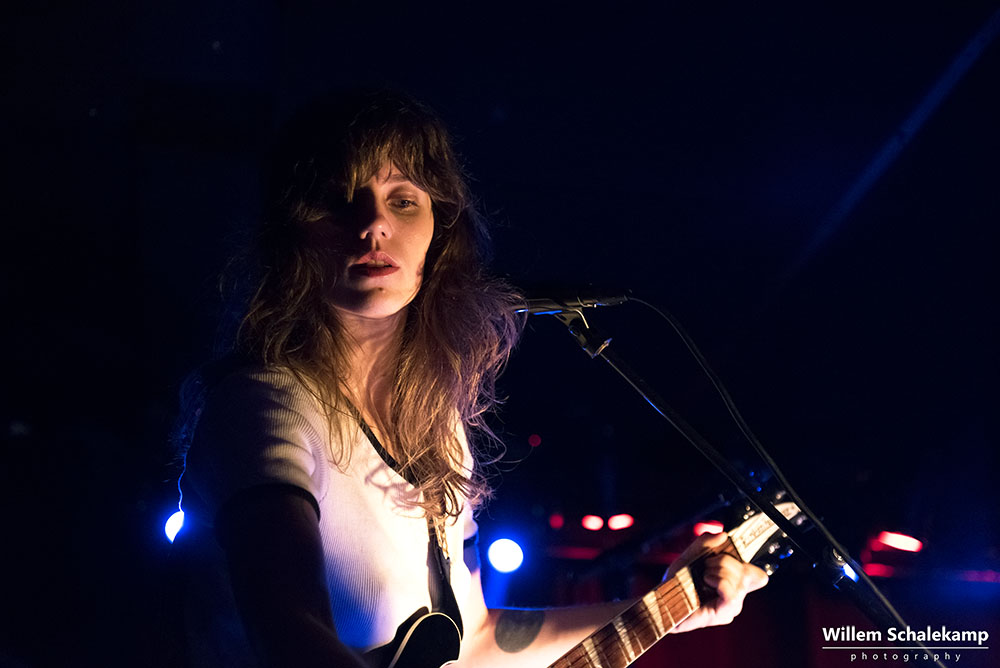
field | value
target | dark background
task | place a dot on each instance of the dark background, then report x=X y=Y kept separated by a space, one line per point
x=694 y=154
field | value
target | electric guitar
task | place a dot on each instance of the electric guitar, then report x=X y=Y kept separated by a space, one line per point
x=425 y=640
x=431 y=640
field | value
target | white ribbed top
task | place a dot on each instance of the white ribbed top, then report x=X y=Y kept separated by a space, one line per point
x=262 y=427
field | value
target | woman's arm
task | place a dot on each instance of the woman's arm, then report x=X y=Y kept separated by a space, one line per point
x=533 y=638
x=271 y=539
x=508 y=638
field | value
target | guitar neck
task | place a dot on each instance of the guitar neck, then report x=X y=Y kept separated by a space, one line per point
x=622 y=640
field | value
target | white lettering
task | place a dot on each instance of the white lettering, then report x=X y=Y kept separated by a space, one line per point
x=849 y=634
x=908 y=634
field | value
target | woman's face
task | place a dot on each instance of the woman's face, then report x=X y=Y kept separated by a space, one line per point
x=381 y=240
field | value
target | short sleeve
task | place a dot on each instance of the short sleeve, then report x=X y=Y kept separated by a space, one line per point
x=257 y=427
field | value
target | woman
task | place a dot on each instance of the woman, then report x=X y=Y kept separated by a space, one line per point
x=329 y=476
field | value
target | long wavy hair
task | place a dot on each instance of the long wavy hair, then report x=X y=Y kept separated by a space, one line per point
x=459 y=329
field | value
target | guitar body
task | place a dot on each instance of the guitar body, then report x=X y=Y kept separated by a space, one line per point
x=425 y=640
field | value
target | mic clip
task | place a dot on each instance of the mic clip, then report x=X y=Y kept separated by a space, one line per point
x=592 y=341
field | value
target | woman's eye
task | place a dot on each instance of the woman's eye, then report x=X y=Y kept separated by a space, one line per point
x=403 y=203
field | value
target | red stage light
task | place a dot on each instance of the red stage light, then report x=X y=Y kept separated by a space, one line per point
x=592 y=522
x=900 y=541
x=557 y=521
x=879 y=570
x=534 y=440
x=707 y=527
x=621 y=521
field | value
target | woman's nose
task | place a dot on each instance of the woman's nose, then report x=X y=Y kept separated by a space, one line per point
x=376 y=223
x=372 y=217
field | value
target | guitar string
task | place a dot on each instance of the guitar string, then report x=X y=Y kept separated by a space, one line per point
x=606 y=633
x=607 y=637
x=608 y=644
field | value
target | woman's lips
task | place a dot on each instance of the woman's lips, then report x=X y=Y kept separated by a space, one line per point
x=372 y=271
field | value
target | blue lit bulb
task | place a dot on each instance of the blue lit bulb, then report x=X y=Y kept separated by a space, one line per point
x=505 y=555
x=174 y=525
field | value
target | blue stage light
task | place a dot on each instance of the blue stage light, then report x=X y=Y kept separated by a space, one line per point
x=174 y=525
x=505 y=555
x=849 y=572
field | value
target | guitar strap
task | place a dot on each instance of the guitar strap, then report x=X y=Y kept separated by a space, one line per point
x=442 y=595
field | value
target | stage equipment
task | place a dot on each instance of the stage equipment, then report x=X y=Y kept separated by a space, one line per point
x=828 y=557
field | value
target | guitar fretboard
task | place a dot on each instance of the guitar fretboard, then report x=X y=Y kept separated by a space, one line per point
x=623 y=640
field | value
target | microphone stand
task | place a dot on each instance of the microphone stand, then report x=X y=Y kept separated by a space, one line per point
x=831 y=560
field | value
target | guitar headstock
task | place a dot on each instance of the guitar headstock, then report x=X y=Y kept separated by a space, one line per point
x=758 y=540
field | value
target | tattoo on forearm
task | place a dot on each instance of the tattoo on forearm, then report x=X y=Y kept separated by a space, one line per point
x=516 y=629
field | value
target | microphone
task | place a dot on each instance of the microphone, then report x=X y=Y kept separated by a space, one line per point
x=569 y=301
